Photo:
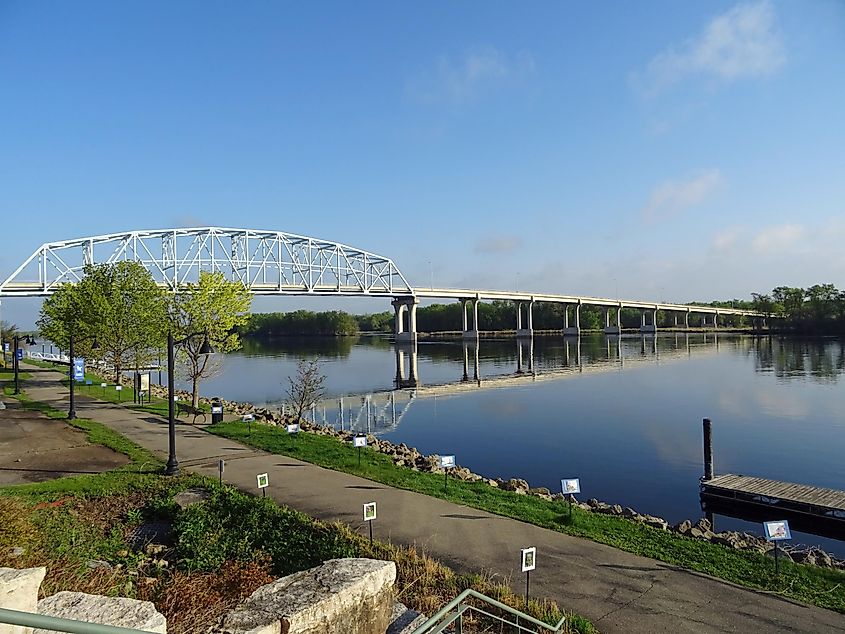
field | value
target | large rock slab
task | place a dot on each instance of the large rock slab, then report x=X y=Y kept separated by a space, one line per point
x=19 y=591
x=341 y=596
x=139 y=615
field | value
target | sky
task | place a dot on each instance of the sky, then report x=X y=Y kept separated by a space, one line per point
x=671 y=151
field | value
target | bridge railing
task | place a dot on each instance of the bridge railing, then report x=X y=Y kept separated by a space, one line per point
x=470 y=603
x=48 y=356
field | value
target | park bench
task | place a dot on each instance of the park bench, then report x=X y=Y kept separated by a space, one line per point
x=187 y=408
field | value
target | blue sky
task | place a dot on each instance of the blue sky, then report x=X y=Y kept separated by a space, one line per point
x=661 y=150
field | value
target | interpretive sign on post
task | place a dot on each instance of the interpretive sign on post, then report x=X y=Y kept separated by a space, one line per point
x=369 y=516
x=263 y=483
x=777 y=531
x=569 y=487
x=104 y=386
x=119 y=389
x=359 y=441
x=293 y=428
x=248 y=418
x=446 y=463
x=529 y=562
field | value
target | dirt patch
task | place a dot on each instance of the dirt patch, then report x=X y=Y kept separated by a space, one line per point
x=34 y=448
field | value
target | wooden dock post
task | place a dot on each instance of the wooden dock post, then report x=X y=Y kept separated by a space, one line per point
x=708 y=449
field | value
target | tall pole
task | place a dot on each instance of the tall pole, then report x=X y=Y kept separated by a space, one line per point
x=15 y=365
x=172 y=463
x=71 y=414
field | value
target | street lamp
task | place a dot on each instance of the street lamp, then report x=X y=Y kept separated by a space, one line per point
x=71 y=413
x=30 y=341
x=205 y=348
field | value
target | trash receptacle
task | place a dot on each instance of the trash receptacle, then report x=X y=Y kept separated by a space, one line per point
x=216 y=411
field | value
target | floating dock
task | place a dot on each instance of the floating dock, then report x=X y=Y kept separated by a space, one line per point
x=803 y=499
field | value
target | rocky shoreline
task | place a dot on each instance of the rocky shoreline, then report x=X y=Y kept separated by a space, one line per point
x=411 y=458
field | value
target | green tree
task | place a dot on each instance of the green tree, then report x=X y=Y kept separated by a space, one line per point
x=118 y=305
x=211 y=308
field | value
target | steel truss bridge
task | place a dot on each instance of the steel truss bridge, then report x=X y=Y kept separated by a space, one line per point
x=279 y=263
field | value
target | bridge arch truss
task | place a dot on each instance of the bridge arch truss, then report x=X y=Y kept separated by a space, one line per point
x=265 y=262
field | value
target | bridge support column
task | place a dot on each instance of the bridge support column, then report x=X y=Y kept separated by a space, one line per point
x=572 y=331
x=646 y=326
x=401 y=305
x=470 y=333
x=613 y=330
x=529 y=317
x=686 y=320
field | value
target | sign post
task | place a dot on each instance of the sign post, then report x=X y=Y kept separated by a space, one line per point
x=360 y=441
x=446 y=463
x=777 y=531
x=119 y=389
x=248 y=418
x=369 y=517
x=104 y=386
x=529 y=562
x=263 y=483
x=221 y=466
x=569 y=487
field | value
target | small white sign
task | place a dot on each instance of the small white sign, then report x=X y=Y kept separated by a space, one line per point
x=360 y=441
x=175 y=398
x=247 y=418
x=221 y=465
x=369 y=511
x=263 y=480
x=293 y=428
x=104 y=385
x=777 y=531
x=118 y=387
x=529 y=559
x=216 y=409
x=447 y=462
x=570 y=486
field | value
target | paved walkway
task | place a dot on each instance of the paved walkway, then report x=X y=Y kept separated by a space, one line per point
x=619 y=591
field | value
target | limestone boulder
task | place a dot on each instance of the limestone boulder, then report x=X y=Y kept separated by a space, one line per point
x=119 y=611
x=341 y=596
x=19 y=591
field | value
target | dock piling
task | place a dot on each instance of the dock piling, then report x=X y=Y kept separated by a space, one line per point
x=708 y=449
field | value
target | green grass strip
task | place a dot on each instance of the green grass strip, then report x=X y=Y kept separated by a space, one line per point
x=818 y=586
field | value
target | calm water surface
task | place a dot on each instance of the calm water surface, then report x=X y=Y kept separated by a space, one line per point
x=623 y=415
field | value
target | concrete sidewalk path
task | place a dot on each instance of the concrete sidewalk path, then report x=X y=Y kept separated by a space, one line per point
x=618 y=591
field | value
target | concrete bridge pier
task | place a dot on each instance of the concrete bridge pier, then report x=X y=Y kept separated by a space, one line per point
x=648 y=323
x=613 y=329
x=401 y=307
x=569 y=330
x=529 y=318
x=470 y=333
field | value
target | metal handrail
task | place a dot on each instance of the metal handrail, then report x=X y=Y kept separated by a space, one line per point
x=58 y=624
x=437 y=624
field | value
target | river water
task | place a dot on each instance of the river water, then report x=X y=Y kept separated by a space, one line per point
x=622 y=414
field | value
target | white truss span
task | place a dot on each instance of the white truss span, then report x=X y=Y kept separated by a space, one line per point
x=266 y=262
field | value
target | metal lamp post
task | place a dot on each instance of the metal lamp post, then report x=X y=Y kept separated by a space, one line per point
x=172 y=463
x=71 y=413
x=30 y=341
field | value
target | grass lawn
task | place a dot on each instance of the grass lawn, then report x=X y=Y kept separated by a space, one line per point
x=810 y=584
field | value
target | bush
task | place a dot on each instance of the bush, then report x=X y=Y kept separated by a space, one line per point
x=234 y=526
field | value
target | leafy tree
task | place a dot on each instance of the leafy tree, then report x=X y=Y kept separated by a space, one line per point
x=305 y=387
x=118 y=305
x=211 y=308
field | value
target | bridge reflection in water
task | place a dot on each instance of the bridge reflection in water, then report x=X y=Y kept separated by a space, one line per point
x=380 y=412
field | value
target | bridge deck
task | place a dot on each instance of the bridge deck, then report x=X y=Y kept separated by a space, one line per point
x=799 y=498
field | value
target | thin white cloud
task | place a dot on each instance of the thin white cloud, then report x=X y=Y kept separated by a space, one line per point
x=673 y=197
x=778 y=238
x=498 y=244
x=743 y=42
x=726 y=240
x=462 y=80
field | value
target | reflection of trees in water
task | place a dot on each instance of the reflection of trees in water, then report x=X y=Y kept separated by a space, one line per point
x=299 y=347
x=822 y=360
